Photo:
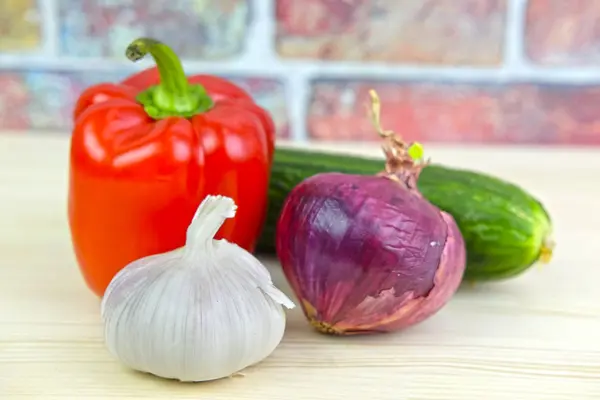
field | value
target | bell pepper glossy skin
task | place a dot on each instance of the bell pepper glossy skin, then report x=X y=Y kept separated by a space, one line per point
x=143 y=157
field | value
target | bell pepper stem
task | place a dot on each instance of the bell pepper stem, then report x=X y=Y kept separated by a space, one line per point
x=174 y=96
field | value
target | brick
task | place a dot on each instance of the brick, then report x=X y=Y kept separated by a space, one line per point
x=44 y=100
x=442 y=112
x=448 y=32
x=14 y=98
x=20 y=28
x=52 y=95
x=211 y=29
x=563 y=33
x=270 y=94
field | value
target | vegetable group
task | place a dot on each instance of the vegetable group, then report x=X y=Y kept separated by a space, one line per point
x=143 y=157
x=368 y=253
x=506 y=229
x=364 y=250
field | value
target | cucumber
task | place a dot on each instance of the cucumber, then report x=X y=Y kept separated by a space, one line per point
x=506 y=230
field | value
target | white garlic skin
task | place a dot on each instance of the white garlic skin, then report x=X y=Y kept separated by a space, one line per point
x=197 y=322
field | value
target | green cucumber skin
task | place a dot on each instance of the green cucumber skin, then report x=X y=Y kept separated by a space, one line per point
x=504 y=227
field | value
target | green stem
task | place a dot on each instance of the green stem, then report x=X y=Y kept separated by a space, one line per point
x=174 y=96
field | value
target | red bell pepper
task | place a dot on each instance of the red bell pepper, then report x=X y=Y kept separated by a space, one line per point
x=145 y=152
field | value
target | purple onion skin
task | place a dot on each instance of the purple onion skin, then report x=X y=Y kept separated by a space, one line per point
x=364 y=254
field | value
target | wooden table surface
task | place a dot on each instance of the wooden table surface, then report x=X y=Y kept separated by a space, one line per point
x=532 y=338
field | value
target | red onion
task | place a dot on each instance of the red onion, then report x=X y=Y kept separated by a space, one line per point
x=367 y=254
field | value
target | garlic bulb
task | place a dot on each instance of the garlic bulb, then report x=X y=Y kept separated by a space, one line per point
x=201 y=312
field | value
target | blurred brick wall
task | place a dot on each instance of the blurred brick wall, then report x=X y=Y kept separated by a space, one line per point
x=492 y=71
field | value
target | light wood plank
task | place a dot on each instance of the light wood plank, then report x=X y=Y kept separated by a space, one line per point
x=532 y=338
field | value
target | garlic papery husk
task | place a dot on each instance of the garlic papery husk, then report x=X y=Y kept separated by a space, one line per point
x=201 y=312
